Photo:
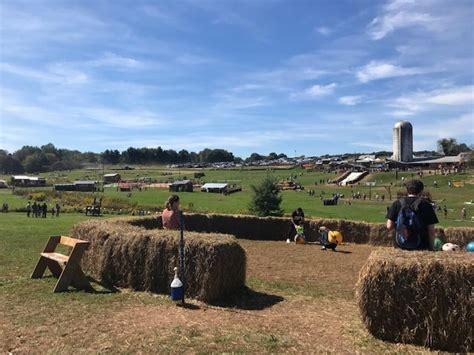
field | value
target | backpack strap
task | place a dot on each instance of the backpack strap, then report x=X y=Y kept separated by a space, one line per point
x=403 y=202
x=415 y=205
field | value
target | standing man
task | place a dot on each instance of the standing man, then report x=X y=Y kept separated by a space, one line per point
x=44 y=210
x=57 y=209
x=28 y=209
x=463 y=213
x=413 y=218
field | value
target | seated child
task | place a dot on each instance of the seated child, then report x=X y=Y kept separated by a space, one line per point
x=325 y=244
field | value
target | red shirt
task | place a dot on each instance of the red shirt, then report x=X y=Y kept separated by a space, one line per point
x=170 y=219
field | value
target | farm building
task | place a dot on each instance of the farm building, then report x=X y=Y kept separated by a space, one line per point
x=83 y=186
x=181 y=186
x=28 y=181
x=215 y=187
x=111 y=178
x=65 y=187
x=3 y=184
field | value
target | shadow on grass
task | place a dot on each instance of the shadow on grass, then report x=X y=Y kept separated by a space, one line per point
x=96 y=286
x=102 y=289
x=248 y=299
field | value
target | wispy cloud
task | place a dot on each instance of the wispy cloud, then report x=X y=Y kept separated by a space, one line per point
x=315 y=92
x=410 y=104
x=350 y=100
x=54 y=74
x=397 y=15
x=376 y=70
x=325 y=31
x=113 y=60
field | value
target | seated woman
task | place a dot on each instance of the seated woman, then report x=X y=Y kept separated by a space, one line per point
x=170 y=216
x=297 y=219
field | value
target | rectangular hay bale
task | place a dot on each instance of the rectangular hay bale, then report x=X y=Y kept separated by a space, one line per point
x=128 y=256
x=423 y=298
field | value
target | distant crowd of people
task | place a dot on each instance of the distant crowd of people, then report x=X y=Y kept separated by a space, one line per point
x=38 y=210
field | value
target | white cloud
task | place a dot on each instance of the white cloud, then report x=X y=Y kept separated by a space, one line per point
x=382 y=26
x=424 y=101
x=117 y=61
x=379 y=70
x=236 y=102
x=350 y=100
x=54 y=74
x=315 y=92
x=398 y=14
x=321 y=90
x=325 y=31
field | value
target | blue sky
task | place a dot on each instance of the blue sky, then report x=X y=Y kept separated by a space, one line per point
x=314 y=77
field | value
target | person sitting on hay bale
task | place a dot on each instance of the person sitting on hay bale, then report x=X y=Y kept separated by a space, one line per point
x=414 y=219
x=329 y=241
x=170 y=215
x=297 y=220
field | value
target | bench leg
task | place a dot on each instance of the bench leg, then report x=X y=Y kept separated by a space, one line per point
x=55 y=268
x=64 y=279
x=40 y=268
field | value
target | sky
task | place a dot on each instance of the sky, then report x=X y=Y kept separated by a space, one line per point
x=300 y=77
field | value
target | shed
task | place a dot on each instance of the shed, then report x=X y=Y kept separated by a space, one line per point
x=111 y=178
x=85 y=186
x=78 y=185
x=28 y=181
x=3 y=184
x=65 y=187
x=215 y=187
x=181 y=186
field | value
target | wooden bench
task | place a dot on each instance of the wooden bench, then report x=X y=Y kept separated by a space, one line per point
x=66 y=268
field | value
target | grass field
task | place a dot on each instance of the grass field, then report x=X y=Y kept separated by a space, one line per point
x=299 y=299
x=369 y=210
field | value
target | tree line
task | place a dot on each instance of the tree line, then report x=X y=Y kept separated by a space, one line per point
x=32 y=159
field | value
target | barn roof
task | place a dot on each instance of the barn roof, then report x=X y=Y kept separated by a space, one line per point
x=181 y=182
x=214 y=185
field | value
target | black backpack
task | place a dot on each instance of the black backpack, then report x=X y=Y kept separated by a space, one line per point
x=409 y=225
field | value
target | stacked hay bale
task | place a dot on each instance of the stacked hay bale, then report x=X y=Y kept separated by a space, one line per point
x=274 y=228
x=422 y=298
x=123 y=255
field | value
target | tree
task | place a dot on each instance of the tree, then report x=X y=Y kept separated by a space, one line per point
x=266 y=198
x=10 y=165
x=110 y=156
x=272 y=156
x=450 y=146
x=255 y=157
x=35 y=163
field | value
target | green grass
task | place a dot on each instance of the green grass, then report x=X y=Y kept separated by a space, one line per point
x=370 y=211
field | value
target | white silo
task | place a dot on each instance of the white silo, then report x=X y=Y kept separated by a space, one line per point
x=403 y=141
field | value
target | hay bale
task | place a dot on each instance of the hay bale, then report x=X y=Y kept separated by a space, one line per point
x=460 y=236
x=276 y=228
x=423 y=298
x=125 y=255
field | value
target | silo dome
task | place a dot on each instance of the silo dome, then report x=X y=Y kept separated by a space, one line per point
x=403 y=141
